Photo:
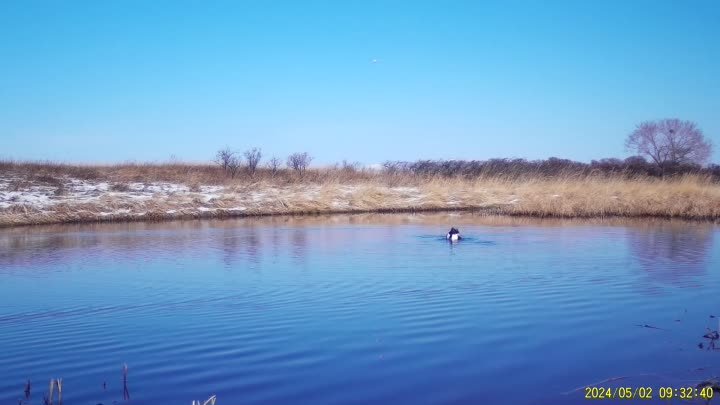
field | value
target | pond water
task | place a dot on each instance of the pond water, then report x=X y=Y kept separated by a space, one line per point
x=366 y=309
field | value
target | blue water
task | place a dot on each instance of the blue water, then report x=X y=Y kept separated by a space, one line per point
x=372 y=309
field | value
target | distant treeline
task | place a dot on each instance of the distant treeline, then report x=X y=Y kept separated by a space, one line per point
x=513 y=168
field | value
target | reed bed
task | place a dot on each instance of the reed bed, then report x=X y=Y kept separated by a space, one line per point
x=37 y=193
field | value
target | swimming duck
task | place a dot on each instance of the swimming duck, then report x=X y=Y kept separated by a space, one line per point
x=453 y=235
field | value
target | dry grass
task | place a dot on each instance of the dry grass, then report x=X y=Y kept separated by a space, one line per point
x=182 y=173
x=689 y=197
x=171 y=191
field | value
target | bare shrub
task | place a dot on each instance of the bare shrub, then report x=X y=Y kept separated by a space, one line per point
x=350 y=167
x=19 y=185
x=82 y=172
x=252 y=158
x=512 y=169
x=274 y=165
x=392 y=167
x=48 y=179
x=60 y=190
x=714 y=170
x=120 y=187
x=299 y=162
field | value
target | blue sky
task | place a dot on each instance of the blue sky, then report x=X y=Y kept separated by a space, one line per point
x=109 y=81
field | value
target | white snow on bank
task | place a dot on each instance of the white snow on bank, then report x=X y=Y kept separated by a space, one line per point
x=107 y=199
x=211 y=189
x=82 y=186
x=405 y=189
x=117 y=212
x=75 y=191
x=36 y=198
x=337 y=204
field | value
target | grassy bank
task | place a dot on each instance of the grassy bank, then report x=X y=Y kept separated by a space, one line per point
x=43 y=193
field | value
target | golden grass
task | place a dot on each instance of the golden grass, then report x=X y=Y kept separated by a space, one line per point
x=688 y=197
x=184 y=173
x=342 y=191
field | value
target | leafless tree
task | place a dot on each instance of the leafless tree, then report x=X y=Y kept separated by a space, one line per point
x=670 y=142
x=224 y=157
x=229 y=161
x=233 y=166
x=252 y=157
x=299 y=162
x=274 y=165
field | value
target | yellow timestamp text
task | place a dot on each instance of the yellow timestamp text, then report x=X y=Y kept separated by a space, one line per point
x=648 y=393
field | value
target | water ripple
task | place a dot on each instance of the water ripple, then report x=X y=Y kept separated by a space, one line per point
x=281 y=313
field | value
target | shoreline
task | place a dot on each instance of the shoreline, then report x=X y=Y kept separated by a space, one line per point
x=64 y=196
x=506 y=210
x=220 y=215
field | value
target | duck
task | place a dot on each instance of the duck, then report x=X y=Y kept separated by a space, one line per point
x=453 y=235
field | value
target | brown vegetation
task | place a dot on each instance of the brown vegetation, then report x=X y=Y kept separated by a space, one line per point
x=200 y=191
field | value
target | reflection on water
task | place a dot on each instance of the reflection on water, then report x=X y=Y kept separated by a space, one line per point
x=673 y=253
x=356 y=309
x=668 y=251
x=299 y=242
x=237 y=248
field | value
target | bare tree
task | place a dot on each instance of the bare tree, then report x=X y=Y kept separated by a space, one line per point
x=274 y=165
x=233 y=166
x=252 y=157
x=670 y=142
x=229 y=161
x=223 y=157
x=299 y=162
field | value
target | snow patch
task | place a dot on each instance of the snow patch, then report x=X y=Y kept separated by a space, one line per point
x=116 y=212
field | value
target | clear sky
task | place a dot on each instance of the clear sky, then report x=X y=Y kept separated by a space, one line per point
x=109 y=81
